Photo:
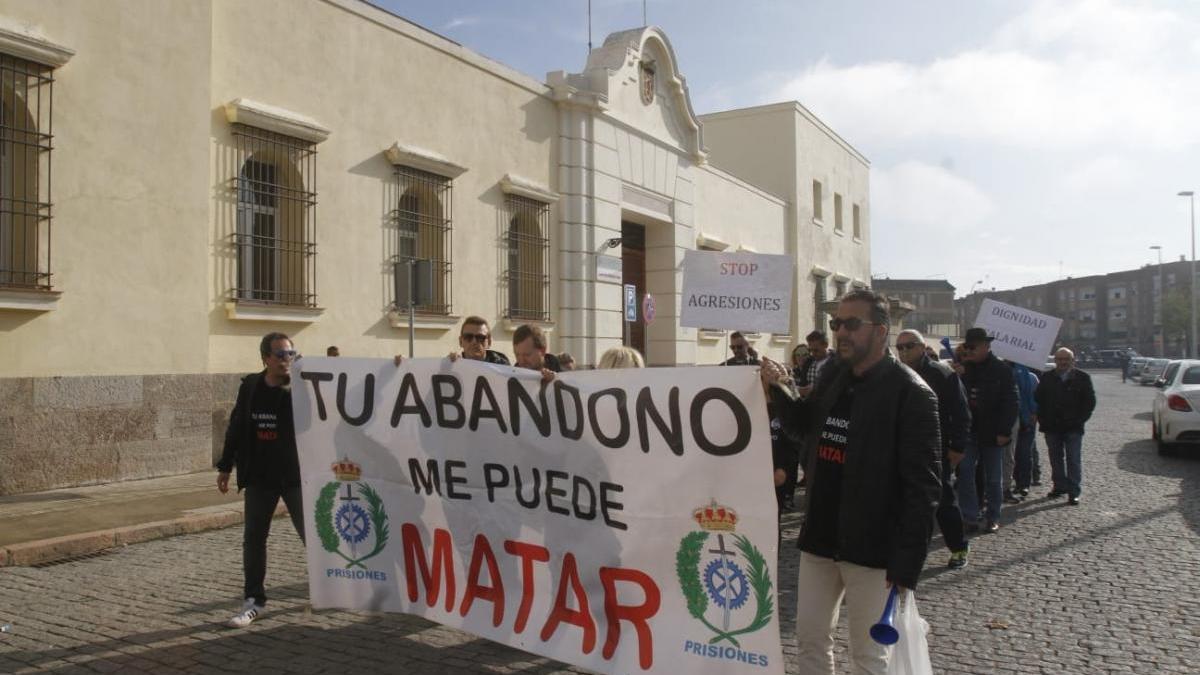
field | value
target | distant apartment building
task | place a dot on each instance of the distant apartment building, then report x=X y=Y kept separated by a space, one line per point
x=1107 y=311
x=932 y=301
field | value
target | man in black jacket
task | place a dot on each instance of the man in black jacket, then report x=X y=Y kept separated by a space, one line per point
x=872 y=483
x=955 y=422
x=475 y=339
x=992 y=397
x=261 y=442
x=1065 y=401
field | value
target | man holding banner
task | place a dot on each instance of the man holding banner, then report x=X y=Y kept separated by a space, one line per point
x=873 y=484
x=992 y=395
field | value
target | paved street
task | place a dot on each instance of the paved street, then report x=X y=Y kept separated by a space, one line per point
x=1109 y=586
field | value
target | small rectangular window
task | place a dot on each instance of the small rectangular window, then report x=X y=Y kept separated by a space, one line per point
x=275 y=184
x=26 y=94
x=857 y=224
x=837 y=212
x=422 y=226
x=818 y=214
x=526 y=224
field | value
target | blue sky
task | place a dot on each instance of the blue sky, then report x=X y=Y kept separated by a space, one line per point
x=1011 y=141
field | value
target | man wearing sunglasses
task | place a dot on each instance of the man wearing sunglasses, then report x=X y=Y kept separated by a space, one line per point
x=955 y=421
x=475 y=339
x=261 y=442
x=743 y=353
x=871 y=427
x=992 y=397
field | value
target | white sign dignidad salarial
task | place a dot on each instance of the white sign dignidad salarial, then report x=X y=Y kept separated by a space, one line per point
x=1022 y=335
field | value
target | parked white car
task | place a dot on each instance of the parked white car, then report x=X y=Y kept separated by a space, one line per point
x=1152 y=370
x=1135 y=367
x=1176 y=411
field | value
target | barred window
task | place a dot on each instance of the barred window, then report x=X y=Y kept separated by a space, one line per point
x=527 y=259
x=819 y=316
x=422 y=227
x=276 y=218
x=25 y=144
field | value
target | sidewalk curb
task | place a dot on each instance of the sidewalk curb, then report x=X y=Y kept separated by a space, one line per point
x=73 y=545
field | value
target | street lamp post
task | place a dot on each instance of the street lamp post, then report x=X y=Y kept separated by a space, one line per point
x=1162 y=319
x=1191 y=195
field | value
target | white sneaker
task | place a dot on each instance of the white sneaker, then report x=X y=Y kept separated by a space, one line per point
x=250 y=612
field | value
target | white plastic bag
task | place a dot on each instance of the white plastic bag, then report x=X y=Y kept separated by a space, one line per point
x=910 y=656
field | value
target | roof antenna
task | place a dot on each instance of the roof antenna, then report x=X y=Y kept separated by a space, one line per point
x=589 y=26
x=644 y=22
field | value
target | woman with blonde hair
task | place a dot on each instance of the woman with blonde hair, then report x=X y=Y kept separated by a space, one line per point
x=621 y=357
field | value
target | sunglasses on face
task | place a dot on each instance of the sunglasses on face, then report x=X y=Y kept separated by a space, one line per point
x=284 y=353
x=969 y=348
x=907 y=346
x=852 y=324
x=480 y=338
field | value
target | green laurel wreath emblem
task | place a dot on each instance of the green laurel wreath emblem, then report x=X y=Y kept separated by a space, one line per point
x=329 y=537
x=687 y=567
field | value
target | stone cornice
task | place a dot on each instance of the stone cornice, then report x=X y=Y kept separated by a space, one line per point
x=425 y=160
x=263 y=116
x=24 y=42
x=512 y=184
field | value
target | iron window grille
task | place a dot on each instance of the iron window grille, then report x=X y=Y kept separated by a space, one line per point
x=526 y=223
x=275 y=236
x=819 y=316
x=26 y=104
x=422 y=228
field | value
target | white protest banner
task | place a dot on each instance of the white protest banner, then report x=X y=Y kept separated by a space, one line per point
x=1022 y=335
x=622 y=521
x=738 y=291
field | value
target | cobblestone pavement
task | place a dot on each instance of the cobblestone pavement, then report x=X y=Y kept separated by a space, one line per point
x=1108 y=586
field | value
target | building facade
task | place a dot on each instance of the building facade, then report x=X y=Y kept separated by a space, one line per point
x=932 y=301
x=1145 y=309
x=222 y=169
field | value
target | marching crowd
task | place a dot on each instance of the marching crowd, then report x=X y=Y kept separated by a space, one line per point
x=883 y=442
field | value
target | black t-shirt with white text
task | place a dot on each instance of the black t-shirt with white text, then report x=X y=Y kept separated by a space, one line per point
x=821 y=525
x=274 y=436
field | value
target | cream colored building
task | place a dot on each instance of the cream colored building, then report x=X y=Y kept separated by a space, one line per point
x=179 y=178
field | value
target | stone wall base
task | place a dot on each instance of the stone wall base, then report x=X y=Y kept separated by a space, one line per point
x=60 y=432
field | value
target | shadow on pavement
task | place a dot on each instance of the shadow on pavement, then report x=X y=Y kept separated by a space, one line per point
x=289 y=641
x=1144 y=416
x=1142 y=457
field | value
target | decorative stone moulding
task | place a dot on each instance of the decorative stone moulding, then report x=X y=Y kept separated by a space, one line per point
x=425 y=160
x=263 y=116
x=28 y=300
x=513 y=184
x=742 y=248
x=819 y=271
x=248 y=311
x=709 y=241
x=398 y=318
x=24 y=41
x=511 y=324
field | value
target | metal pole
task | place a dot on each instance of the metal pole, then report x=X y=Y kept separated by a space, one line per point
x=1192 y=198
x=1191 y=195
x=412 y=309
x=1162 y=333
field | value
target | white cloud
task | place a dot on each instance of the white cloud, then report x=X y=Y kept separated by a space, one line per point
x=1101 y=173
x=1061 y=75
x=928 y=198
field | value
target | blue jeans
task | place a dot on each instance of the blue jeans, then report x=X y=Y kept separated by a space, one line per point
x=992 y=459
x=1066 y=462
x=1026 y=458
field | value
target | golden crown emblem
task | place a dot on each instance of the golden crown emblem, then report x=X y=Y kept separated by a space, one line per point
x=716 y=517
x=346 y=470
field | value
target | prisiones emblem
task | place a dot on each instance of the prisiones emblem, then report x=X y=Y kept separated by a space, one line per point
x=347 y=523
x=734 y=572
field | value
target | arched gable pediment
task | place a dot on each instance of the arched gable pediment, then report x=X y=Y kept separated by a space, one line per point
x=636 y=77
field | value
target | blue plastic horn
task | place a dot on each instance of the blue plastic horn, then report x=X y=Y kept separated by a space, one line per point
x=885 y=632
